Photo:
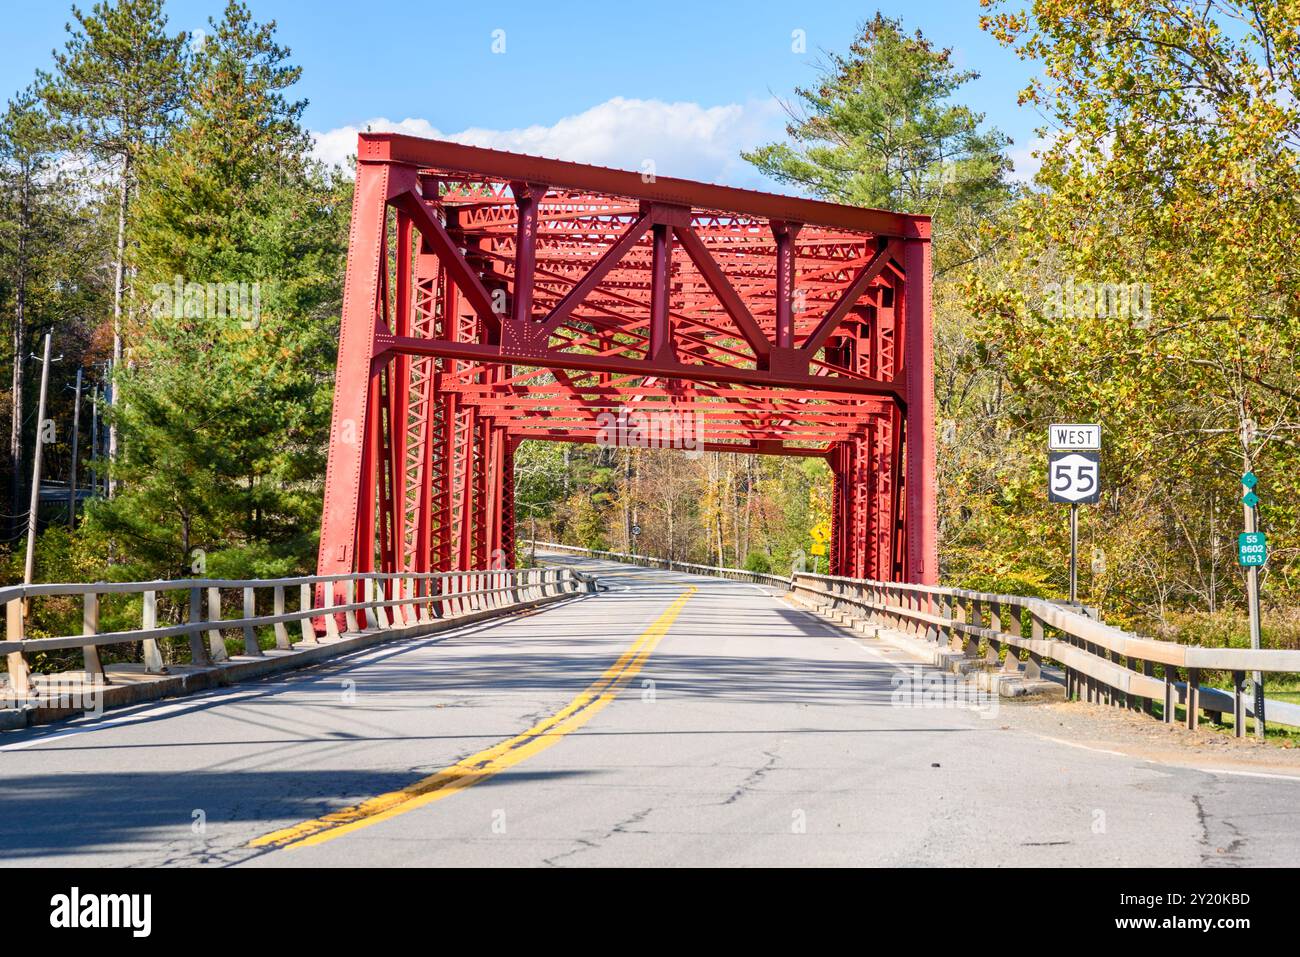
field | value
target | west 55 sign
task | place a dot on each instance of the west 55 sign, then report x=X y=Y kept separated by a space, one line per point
x=1074 y=477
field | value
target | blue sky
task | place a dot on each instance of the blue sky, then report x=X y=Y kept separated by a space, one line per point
x=683 y=84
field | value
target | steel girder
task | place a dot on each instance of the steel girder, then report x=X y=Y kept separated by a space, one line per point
x=492 y=298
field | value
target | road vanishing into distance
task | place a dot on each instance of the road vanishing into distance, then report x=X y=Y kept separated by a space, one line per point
x=668 y=720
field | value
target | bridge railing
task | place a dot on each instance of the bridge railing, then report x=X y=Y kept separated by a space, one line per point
x=369 y=601
x=734 y=574
x=1101 y=663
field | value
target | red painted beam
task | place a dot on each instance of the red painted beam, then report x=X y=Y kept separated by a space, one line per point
x=608 y=261
x=487 y=352
x=477 y=160
x=918 y=360
x=726 y=293
x=848 y=299
x=785 y=233
x=661 y=348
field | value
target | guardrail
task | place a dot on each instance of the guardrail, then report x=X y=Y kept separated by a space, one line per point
x=369 y=601
x=734 y=574
x=1102 y=664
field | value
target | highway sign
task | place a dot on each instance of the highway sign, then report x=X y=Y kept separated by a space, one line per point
x=1252 y=549
x=821 y=533
x=1074 y=477
x=636 y=530
x=1071 y=437
x=818 y=549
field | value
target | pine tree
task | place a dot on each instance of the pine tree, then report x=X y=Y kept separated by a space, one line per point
x=239 y=251
x=114 y=92
x=881 y=129
x=48 y=258
x=25 y=161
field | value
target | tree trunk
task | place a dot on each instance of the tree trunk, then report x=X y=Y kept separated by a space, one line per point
x=119 y=275
x=19 y=344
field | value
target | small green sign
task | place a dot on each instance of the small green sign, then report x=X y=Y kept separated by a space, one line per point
x=1249 y=480
x=1251 y=499
x=1252 y=549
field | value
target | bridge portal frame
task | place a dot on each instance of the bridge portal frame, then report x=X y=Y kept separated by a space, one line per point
x=493 y=297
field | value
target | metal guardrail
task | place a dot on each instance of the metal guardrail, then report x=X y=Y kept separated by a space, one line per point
x=386 y=601
x=734 y=574
x=1102 y=664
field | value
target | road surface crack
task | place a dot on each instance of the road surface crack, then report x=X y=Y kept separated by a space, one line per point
x=1221 y=849
x=752 y=779
x=589 y=844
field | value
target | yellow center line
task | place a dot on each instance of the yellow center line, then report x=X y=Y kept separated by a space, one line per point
x=478 y=767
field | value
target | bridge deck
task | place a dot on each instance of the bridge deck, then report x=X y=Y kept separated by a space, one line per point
x=778 y=746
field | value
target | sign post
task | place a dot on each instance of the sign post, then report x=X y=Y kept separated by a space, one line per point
x=1074 y=553
x=1252 y=553
x=1074 y=477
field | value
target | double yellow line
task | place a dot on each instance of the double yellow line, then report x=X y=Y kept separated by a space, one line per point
x=478 y=767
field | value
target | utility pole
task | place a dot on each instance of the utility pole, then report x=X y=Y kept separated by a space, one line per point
x=110 y=442
x=72 y=477
x=94 y=438
x=30 y=563
x=101 y=432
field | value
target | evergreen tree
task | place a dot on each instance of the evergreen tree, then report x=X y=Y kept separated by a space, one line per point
x=114 y=92
x=240 y=242
x=25 y=234
x=881 y=130
x=48 y=255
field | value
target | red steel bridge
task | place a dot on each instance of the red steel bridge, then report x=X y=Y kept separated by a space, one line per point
x=493 y=298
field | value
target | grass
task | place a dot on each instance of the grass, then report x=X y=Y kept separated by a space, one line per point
x=1280 y=734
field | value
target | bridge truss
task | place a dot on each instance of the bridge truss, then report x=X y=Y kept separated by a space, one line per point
x=492 y=298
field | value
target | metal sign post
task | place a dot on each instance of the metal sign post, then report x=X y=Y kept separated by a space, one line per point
x=1074 y=476
x=1252 y=553
x=1074 y=553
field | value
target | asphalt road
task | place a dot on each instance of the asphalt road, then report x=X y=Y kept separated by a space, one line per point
x=670 y=720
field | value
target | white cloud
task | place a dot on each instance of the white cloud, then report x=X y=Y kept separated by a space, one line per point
x=1025 y=165
x=682 y=139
